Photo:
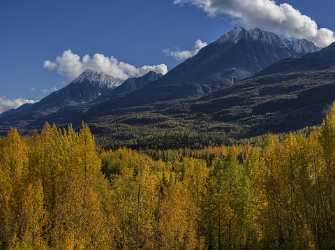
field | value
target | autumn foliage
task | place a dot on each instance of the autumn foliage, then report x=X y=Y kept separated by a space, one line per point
x=57 y=191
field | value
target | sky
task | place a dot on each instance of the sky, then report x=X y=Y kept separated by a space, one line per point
x=45 y=44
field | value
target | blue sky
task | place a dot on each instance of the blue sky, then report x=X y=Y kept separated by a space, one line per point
x=132 y=31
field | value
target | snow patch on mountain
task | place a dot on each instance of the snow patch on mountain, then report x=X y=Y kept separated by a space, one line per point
x=99 y=79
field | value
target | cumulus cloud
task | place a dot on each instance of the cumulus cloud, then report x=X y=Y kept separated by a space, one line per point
x=268 y=15
x=182 y=55
x=6 y=103
x=72 y=65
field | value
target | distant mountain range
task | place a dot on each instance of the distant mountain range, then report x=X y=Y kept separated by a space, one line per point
x=238 y=54
x=246 y=83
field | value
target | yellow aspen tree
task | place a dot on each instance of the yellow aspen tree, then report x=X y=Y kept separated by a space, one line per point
x=13 y=169
x=134 y=198
x=32 y=220
x=80 y=220
x=326 y=182
x=177 y=225
x=195 y=180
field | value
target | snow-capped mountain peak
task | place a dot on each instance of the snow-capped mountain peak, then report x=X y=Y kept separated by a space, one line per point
x=233 y=36
x=239 y=34
x=98 y=79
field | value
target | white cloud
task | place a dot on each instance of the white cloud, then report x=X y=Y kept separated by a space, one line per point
x=72 y=65
x=6 y=103
x=182 y=55
x=268 y=15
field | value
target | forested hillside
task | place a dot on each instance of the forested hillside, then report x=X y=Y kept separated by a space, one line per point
x=58 y=190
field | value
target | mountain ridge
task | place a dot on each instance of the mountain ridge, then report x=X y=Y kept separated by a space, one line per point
x=253 y=49
x=248 y=51
x=319 y=60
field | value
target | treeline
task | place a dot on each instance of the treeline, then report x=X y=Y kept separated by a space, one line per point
x=57 y=191
x=159 y=138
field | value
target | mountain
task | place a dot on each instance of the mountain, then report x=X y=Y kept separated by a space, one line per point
x=68 y=104
x=288 y=95
x=130 y=85
x=238 y=54
x=133 y=84
x=287 y=99
x=278 y=102
x=272 y=103
x=321 y=60
x=84 y=89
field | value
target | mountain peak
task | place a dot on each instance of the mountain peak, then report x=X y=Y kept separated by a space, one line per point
x=238 y=34
x=99 y=79
x=234 y=35
x=238 y=54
